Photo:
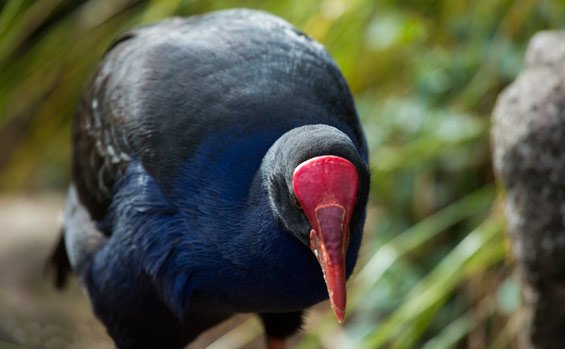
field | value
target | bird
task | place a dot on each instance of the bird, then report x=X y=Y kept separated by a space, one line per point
x=219 y=167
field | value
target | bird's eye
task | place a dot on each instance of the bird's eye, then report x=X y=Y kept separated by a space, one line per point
x=295 y=201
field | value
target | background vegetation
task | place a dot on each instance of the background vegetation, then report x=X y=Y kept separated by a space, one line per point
x=435 y=271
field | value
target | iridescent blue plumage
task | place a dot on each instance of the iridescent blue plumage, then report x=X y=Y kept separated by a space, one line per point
x=185 y=144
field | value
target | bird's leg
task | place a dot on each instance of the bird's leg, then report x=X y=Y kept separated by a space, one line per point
x=276 y=343
x=280 y=326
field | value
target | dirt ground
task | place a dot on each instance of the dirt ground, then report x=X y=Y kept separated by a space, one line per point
x=35 y=315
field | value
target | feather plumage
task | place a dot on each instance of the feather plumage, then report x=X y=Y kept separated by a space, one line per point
x=180 y=213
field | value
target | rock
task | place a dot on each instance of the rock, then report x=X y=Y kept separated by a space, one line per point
x=528 y=138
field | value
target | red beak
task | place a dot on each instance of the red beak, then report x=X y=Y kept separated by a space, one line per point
x=326 y=187
x=329 y=246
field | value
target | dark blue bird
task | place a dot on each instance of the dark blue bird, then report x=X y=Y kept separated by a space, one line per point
x=219 y=167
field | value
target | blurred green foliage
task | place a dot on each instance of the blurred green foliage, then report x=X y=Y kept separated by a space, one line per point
x=434 y=271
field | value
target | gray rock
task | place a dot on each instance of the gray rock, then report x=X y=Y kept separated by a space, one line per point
x=528 y=138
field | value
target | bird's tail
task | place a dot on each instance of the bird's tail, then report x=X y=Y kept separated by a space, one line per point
x=59 y=260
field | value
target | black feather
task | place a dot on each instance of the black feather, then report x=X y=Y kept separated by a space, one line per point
x=59 y=261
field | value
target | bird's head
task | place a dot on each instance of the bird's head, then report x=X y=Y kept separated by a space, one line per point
x=318 y=185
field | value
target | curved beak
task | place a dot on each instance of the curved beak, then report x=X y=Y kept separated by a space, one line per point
x=329 y=245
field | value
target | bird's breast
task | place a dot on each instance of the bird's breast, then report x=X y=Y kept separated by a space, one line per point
x=286 y=280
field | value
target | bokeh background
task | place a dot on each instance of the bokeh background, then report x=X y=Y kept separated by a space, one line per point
x=436 y=268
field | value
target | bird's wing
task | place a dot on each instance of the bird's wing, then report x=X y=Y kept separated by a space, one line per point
x=101 y=149
x=96 y=166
